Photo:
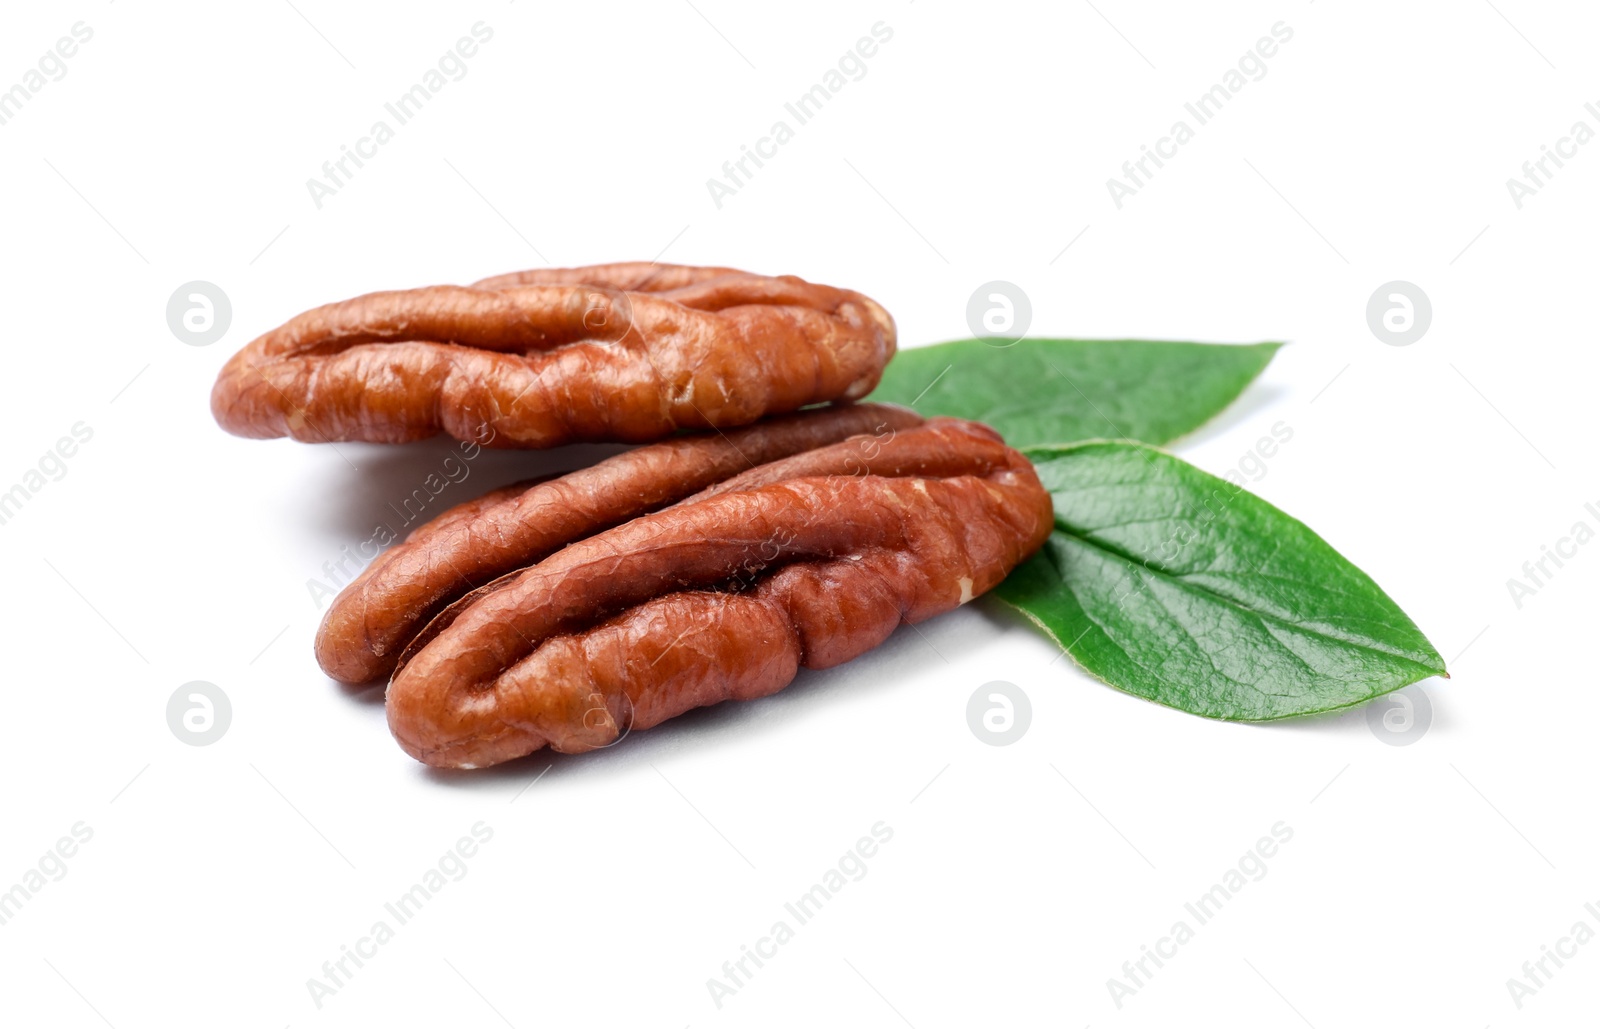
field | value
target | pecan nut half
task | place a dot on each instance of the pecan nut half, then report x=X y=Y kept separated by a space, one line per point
x=476 y=542
x=630 y=352
x=810 y=562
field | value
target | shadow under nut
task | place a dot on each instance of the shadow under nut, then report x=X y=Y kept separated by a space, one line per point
x=536 y=363
x=722 y=598
x=471 y=544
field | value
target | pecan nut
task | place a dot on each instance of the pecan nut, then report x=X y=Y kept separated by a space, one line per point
x=630 y=352
x=807 y=562
x=476 y=542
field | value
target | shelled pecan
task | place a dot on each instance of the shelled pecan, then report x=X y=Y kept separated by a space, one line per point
x=808 y=561
x=629 y=352
x=512 y=528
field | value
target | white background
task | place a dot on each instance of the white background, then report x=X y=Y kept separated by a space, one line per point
x=977 y=147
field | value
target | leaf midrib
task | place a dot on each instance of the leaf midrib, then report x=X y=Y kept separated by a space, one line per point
x=1260 y=616
x=1162 y=677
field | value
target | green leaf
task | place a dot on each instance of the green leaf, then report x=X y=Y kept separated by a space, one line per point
x=1062 y=390
x=1182 y=588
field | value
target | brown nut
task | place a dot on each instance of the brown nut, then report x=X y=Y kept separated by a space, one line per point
x=474 y=543
x=724 y=596
x=628 y=352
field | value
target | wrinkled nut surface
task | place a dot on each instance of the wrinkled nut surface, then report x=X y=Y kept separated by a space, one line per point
x=629 y=352
x=476 y=542
x=805 y=562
